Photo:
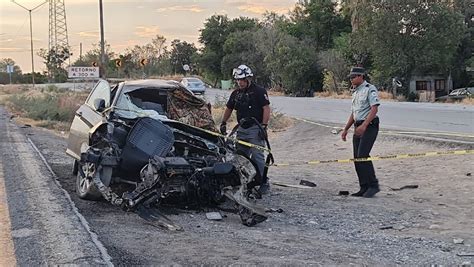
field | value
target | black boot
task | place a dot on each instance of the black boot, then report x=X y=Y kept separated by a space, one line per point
x=361 y=192
x=371 y=191
x=264 y=188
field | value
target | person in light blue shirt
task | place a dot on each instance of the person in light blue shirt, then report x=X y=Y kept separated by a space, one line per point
x=365 y=104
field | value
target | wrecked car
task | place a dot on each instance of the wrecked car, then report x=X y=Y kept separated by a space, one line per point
x=147 y=143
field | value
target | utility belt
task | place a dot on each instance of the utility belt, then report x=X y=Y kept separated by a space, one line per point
x=374 y=122
x=248 y=122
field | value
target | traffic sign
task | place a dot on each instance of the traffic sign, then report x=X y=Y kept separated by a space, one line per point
x=118 y=63
x=94 y=64
x=143 y=62
x=10 y=69
x=83 y=72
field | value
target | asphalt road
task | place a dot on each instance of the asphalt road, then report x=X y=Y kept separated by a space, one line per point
x=403 y=116
x=45 y=224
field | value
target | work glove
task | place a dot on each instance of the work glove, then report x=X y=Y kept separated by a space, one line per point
x=223 y=128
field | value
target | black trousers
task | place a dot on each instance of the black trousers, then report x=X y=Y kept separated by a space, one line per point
x=362 y=146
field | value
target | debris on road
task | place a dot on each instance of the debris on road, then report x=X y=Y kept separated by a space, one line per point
x=307 y=183
x=214 y=216
x=410 y=186
x=279 y=210
x=343 y=193
x=291 y=185
x=465 y=254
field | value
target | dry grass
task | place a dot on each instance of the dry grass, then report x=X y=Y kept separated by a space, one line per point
x=58 y=127
x=401 y=98
x=326 y=94
x=275 y=93
x=468 y=101
x=48 y=108
x=386 y=96
x=346 y=94
x=11 y=89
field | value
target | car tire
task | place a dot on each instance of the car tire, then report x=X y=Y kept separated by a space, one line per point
x=85 y=187
x=75 y=167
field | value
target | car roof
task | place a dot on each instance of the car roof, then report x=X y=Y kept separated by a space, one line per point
x=152 y=83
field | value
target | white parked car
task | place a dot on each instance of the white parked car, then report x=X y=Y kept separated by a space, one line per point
x=458 y=94
x=193 y=84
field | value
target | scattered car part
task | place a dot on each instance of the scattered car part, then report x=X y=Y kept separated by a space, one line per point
x=307 y=183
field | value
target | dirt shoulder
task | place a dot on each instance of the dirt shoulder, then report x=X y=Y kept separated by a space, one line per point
x=409 y=227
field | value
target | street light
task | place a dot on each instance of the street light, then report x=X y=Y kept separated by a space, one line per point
x=31 y=38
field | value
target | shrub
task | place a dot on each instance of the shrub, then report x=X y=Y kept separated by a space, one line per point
x=412 y=97
x=48 y=107
x=54 y=89
x=278 y=121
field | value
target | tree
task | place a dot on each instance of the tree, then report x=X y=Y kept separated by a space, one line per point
x=213 y=36
x=295 y=65
x=319 y=21
x=336 y=69
x=54 y=60
x=241 y=48
x=407 y=37
x=4 y=76
x=159 y=46
x=181 y=54
x=464 y=57
x=8 y=61
x=267 y=40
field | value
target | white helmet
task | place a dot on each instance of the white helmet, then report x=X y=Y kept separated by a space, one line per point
x=242 y=72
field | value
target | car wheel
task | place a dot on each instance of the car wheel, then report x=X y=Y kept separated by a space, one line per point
x=85 y=187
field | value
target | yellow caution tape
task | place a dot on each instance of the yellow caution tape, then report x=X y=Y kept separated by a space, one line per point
x=244 y=143
x=401 y=156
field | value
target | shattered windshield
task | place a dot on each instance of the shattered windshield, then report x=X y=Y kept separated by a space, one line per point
x=130 y=107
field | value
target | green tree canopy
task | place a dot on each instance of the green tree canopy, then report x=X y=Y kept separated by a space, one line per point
x=407 y=37
x=319 y=21
x=181 y=53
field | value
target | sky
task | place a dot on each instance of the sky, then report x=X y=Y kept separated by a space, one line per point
x=126 y=23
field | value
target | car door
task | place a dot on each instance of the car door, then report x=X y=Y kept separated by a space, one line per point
x=87 y=117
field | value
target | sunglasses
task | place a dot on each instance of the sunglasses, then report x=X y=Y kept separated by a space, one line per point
x=354 y=76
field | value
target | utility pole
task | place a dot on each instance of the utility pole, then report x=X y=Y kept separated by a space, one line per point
x=31 y=38
x=102 y=42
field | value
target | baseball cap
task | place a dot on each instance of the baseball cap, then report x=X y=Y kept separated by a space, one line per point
x=356 y=71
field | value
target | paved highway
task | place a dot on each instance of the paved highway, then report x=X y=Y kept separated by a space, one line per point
x=406 y=116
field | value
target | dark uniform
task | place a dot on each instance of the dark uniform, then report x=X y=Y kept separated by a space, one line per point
x=249 y=103
x=363 y=97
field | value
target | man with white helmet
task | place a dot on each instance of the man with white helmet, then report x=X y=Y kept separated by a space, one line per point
x=253 y=113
